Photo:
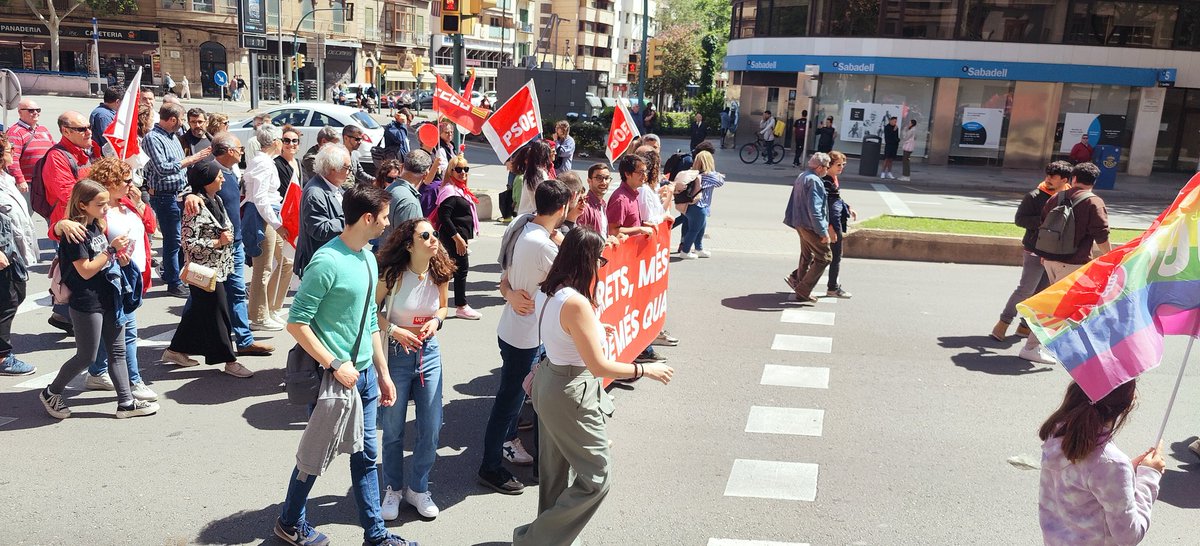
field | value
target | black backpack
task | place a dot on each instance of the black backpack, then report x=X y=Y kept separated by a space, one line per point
x=37 y=186
x=1056 y=235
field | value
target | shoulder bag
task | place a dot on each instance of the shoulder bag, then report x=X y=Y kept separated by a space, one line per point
x=302 y=376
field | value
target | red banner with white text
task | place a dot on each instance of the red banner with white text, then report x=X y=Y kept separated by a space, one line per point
x=632 y=292
x=516 y=122
x=457 y=108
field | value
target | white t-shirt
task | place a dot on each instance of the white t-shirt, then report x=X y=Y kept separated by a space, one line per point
x=528 y=204
x=532 y=255
x=650 y=205
x=122 y=221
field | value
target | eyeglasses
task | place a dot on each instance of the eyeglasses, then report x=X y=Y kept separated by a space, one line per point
x=603 y=261
x=33 y=110
x=601 y=178
x=290 y=140
x=355 y=138
x=345 y=168
x=84 y=129
x=642 y=171
x=425 y=235
x=462 y=169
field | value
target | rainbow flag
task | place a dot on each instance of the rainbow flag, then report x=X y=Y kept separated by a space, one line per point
x=1106 y=321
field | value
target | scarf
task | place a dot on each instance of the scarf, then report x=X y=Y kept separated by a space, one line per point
x=1046 y=188
x=452 y=189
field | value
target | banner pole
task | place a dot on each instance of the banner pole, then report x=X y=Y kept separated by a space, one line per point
x=1179 y=380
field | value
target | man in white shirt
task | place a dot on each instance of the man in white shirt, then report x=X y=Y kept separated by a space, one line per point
x=535 y=249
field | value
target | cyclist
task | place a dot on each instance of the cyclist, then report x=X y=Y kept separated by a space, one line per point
x=766 y=132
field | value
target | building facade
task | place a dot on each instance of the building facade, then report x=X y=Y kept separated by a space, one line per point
x=1011 y=83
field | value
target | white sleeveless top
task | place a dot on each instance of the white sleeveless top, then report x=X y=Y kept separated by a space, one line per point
x=412 y=302
x=560 y=347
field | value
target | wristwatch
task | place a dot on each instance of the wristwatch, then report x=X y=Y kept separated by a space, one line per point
x=335 y=364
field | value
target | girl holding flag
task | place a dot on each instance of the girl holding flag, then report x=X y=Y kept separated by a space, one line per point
x=1091 y=492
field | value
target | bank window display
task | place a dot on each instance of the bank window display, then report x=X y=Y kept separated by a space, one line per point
x=981 y=122
x=1126 y=24
x=861 y=104
x=1178 y=147
x=1032 y=21
x=1104 y=113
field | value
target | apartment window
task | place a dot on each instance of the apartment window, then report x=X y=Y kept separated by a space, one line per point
x=305 y=7
x=1037 y=21
x=203 y=5
x=272 y=14
x=1122 y=24
x=743 y=21
x=787 y=17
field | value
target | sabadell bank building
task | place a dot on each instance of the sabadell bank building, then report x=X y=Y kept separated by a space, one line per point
x=1004 y=83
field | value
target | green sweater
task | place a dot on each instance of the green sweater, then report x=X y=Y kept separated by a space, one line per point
x=331 y=297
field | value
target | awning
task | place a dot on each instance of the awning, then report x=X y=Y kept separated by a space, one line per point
x=399 y=76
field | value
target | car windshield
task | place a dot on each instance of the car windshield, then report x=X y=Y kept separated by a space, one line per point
x=364 y=120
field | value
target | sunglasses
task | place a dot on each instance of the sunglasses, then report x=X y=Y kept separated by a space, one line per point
x=355 y=138
x=34 y=110
x=425 y=235
x=290 y=140
x=127 y=182
x=603 y=261
x=462 y=169
x=84 y=129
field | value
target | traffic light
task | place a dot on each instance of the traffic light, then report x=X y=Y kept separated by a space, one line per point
x=654 y=58
x=417 y=66
x=451 y=17
x=299 y=61
x=633 y=67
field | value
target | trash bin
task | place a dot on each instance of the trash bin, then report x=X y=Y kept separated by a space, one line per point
x=868 y=161
x=1108 y=158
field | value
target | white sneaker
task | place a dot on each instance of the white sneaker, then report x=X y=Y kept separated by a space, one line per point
x=704 y=254
x=883 y=176
x=391 y=504
x=99 y=383
x=141 y=392
x=905 y=179
x=689 y=256
x=891 y=176
x=1037 y=354
x=178 y=359
x=515 y=453
x=266 y=325
x=138 y=409
x=423 y=502
x=280 y=316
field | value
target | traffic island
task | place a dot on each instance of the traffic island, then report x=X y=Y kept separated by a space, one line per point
x=943 y=240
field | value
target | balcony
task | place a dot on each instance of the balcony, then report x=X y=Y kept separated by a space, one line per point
x=596 y=16
x=497 y=33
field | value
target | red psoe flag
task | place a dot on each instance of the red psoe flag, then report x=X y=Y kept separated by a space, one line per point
x=457 y=109
x=290 y=214
x=620 y=134
x=516 y=122
x=122 y=132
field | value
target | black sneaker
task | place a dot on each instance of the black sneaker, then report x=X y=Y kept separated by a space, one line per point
x=649 y=357
x=301 y=534
x=61 y=323
x=502 y=481
x=54 y=404
x=179 y=291
x=391 y=540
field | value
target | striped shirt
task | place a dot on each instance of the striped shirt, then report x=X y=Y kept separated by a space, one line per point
x=29 y=144
x=165 y=174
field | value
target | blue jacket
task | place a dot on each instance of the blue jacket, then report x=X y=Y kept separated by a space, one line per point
x=101 y=117
x=395 y=141
x=807 y=207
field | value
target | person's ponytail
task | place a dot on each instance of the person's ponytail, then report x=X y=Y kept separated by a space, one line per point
x=1084 y=426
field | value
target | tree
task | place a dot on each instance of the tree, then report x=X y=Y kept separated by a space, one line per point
x=709 y=20
x=678 y=51
x=52 y=19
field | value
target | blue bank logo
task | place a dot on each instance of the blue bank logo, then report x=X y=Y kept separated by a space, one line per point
x=865 y=68
x=974 y=72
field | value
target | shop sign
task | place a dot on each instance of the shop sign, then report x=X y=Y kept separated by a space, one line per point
x=1099 y=128
x=334 y=52
x=981 y=128
x=860 y=119
x=150 y=36
x=254 y=41
x=155 y=65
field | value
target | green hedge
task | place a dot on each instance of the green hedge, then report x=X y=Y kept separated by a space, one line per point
x=589 y=137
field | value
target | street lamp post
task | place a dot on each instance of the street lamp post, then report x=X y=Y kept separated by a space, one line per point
x=296 y=49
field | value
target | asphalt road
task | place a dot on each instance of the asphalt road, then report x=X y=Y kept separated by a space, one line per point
x=893 y=425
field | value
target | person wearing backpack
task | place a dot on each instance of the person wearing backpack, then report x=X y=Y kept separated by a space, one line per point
x=1085 y=219
x=766 y=131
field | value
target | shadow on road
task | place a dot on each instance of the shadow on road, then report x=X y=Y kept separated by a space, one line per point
x=1180 y=488
x=767 y=302
x=249 y=526
x=982 y=356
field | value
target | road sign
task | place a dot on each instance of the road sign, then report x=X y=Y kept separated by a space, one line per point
x=220 y=78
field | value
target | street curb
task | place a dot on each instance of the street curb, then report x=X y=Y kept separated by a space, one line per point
x=913 y=246
x=1137 y=191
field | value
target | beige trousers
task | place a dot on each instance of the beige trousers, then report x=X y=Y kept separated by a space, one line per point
x=270 y=277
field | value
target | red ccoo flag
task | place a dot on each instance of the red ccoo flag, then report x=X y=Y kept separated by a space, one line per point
x=122 y=132
x=291 y=212
x=620 y=134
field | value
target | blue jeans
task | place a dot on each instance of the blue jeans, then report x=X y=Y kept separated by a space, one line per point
x=362 y=470
x=402 y=367
x=100 y=366
x=166 y=208
x=502 y=424
x=235 y=294
x=693 y=232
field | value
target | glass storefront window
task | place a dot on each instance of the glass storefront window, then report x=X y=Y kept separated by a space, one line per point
x=1035 y=21
x=913 y=95
x=934 y=19
x=979 y=95
x=845 y=18
x=1082 y=98
x=1130 y=24
x=789 y=18
x=743 y=19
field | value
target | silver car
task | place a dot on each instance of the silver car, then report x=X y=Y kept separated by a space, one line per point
x=310 y=117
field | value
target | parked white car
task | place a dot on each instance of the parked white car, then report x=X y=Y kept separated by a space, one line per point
x=310 y=117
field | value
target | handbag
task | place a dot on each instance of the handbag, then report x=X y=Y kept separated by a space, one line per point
x=527 y=383
x=200 y=276
x=302 y=375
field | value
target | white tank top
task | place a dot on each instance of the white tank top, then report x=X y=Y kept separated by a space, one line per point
x=560 y=347
x=412 y=302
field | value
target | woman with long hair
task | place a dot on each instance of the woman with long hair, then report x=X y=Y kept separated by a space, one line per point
x=908 y=143
x=457 y=221
x=698 y=210
x=569 y=396
x=537 y=165
x=217 y=123
x=839 y=214
x=207 y=240
x=1091 y=492
x=87 y=268
x=414 y=274
x=127 y=217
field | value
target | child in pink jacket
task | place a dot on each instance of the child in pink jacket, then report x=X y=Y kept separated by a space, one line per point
x=1091 y=492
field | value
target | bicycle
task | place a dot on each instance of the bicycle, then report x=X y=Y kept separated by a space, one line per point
x=751 y=152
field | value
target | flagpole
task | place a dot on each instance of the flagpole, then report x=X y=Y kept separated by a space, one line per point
x=1179 y=380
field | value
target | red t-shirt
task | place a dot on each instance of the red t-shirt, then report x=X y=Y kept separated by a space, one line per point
x=623 y=207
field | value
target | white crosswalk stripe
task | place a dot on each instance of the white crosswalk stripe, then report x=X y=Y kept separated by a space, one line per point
x=806 y=344
x=736 y=542
x=804 y=316
x=795 y=376
x=772 y=480
x=795 y=421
